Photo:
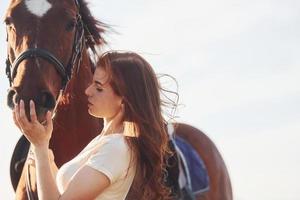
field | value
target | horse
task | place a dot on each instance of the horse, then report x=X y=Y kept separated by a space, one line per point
x=48 y=58
x=51 y=46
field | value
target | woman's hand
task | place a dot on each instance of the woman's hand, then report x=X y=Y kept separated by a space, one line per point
x=38 y=134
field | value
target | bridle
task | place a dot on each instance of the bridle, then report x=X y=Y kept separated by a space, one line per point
x=64 y=71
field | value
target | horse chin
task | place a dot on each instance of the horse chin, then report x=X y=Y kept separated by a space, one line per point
x=41 y=114
x=10 y=99
x=11 y=105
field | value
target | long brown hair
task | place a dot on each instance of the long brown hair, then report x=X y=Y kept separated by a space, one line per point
x=133 y=79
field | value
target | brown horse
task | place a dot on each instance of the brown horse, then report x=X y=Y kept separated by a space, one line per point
x=48 y=42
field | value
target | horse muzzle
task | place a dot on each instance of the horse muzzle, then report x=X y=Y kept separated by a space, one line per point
x=44 y=101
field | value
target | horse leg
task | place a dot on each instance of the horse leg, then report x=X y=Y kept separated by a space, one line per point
x=21 y=189
x=21 y=193
x=220 y=185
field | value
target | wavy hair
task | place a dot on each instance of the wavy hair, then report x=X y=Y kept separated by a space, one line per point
x=133 y=79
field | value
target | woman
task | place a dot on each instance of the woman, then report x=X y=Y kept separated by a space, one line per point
x=125 y=93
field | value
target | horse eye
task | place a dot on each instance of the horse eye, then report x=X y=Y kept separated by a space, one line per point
x=71 y=25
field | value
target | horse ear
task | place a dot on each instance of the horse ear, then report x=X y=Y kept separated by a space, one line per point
x=77 y=3
x=94 y=29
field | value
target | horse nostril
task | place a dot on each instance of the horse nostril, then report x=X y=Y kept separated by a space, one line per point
x=12 y=98
x=47 y=100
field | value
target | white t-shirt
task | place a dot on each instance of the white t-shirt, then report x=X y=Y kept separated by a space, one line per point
x=108 y=154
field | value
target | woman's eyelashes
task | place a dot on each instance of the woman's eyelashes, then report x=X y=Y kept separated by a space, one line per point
x=99 y=89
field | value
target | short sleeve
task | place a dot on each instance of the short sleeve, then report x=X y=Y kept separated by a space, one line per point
x=112 y=158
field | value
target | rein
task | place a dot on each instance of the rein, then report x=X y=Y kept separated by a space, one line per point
x=64 y=71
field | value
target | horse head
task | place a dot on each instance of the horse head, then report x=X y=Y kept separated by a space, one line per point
x=46 y=40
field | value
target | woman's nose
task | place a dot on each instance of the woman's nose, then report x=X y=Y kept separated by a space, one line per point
x=87 y=90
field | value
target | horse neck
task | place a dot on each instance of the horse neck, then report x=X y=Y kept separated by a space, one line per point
x=73 y=126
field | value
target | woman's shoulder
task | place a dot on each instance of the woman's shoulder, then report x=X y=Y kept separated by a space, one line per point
x=114 y=137
x=115 y=140
x=111 y=146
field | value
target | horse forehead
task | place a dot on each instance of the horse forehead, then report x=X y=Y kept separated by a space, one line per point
x=38 y=7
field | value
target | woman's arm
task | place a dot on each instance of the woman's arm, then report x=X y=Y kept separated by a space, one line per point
x=46 y=185
x=31 y=161
x=86 y=184
x=53 y=165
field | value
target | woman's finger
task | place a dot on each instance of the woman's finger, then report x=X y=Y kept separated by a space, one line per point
x=23 y=119
x=49 y=125
x=33 y=116
x=17 y=113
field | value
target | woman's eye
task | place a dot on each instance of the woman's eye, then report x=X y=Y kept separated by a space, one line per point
x=99 y=89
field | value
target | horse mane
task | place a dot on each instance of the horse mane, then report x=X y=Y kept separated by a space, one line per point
x=94 y=29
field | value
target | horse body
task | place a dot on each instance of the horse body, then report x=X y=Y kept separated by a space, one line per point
x=54 y=29
x=220 y=185
x=80 y=127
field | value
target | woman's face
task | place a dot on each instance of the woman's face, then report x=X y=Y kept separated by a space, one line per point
x=102 y=100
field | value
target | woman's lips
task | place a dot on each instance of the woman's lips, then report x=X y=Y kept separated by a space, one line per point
x=89 y=104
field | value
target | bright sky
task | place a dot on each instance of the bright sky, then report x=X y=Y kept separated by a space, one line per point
x=237 y=66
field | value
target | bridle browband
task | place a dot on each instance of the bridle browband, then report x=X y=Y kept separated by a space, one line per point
x=64 y=71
